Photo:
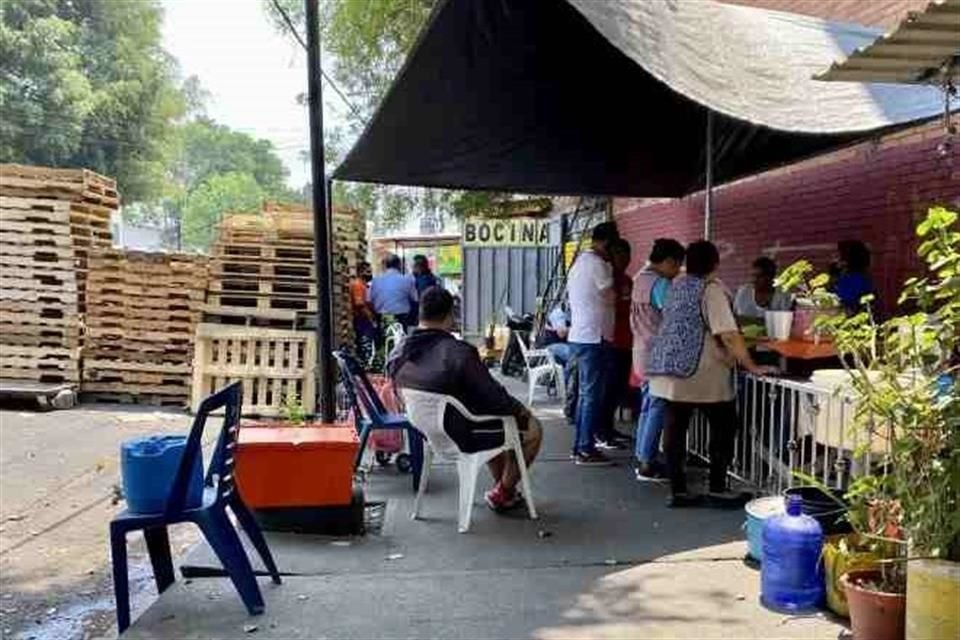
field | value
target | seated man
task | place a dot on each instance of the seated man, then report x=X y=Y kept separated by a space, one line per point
x=432 y=359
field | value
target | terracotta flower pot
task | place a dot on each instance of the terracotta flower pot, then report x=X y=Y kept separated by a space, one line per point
x=874 y=615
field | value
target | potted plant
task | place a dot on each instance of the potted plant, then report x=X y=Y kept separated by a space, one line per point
x=812 y=299
x=903 y=375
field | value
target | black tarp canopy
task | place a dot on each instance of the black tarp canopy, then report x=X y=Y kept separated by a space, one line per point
x=587 y=97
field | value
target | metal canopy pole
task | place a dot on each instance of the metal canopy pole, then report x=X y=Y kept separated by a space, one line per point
x=321 y=221
x=708 y=196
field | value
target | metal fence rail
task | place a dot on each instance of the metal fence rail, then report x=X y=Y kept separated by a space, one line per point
x=788 y=426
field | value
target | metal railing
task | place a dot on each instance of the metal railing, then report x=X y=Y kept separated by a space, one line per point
x=788 y=426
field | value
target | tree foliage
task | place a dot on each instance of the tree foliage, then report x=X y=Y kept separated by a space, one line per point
x=216 y=170
x=208 y=148
x=365 y=44
x=206 y=204
x=86 y=83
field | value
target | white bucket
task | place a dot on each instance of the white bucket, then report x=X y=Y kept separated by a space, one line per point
x=778 y=324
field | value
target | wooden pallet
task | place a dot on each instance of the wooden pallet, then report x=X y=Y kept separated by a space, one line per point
x=127 y=397
x=271 y=363
x=263 y=266
x=79 y=184
x=143 y=309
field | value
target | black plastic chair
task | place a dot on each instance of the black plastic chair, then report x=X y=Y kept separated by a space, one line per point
x=219 y=493
x=369 y=413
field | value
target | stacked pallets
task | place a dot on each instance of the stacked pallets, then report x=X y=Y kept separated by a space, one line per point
x=90 y=199
x=50 y=219
x=350 y=249
x=262 y=267
x=262 y=277
x=39 y=319
x=142 y=313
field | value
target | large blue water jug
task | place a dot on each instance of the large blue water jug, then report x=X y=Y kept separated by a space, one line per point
x=791 y=577
x=148 y=467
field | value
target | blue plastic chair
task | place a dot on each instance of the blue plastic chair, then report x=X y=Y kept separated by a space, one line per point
x=369 y=413
x=219 y=493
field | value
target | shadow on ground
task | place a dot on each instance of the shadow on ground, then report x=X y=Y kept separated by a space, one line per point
x=606 y=559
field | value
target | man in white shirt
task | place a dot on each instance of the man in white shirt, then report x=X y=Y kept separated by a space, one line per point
x=591 y=294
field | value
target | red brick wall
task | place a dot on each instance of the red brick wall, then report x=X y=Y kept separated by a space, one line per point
x=873 y=191
x=880 y=13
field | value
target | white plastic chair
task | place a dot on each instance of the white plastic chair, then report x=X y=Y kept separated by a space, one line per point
x=541 y=366
x=426 y=411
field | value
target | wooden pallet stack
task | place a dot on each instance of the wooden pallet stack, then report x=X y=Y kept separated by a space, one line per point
x=91 y=200
x=262 y=277
x=262 y=268
x=39 y=316
x=142 y=314
x=350 y=249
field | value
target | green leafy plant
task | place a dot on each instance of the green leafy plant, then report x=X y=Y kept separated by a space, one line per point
x=903 y=375
x=809 y=290
x=293 y=411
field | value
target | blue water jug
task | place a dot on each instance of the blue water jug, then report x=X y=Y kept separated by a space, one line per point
x=148 y=467
x=791 y=578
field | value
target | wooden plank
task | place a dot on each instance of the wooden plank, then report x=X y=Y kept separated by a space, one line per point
x=28 y=280
x=35 y=375
x=135 y=389
x=32 y=227
x=28 y=318
x=27 y=363
x=39 y=353
x=168 y=327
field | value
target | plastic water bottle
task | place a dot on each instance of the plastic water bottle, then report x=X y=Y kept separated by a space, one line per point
x=791 y=577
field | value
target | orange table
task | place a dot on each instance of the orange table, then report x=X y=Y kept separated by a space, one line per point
x=802 y=350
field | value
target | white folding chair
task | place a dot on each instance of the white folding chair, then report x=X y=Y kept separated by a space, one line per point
x=426 y=411
x=541 y=367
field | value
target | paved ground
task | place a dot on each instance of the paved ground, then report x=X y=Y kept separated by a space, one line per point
x=58 y=473
x=606 y=560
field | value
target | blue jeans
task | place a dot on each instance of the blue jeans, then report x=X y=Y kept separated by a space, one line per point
x=562 y=352
x=649 y=425
x=593 y=364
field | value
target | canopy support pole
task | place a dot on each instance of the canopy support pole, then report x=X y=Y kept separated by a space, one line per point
x=321 y=222
x=708 y=194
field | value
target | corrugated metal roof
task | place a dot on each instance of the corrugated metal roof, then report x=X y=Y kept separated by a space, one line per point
x=919 y=51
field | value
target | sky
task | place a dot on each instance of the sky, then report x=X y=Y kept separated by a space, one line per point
x=252 y=72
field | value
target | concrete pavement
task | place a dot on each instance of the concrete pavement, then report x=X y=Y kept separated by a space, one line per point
x=606 y=560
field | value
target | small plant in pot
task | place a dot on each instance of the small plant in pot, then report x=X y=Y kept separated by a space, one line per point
x=903 y=373
x=812 y=299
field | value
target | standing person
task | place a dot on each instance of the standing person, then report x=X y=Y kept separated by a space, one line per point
x=621 y=347
x=650 y=287
x=853 y=281
x=424 y=279
x=754 y=299
x=364 y=321
x=591 y=294
x=423 y=275
x=393 y=293
x=690 y=365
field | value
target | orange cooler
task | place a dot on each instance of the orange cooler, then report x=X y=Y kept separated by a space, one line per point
x=308 y=466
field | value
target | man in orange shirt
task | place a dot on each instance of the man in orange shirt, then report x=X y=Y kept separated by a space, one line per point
x=364 y=320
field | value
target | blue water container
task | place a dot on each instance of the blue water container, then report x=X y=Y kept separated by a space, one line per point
x=791 y=576
x=148 y=467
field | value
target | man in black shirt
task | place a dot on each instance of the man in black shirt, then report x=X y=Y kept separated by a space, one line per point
x=432 y=359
